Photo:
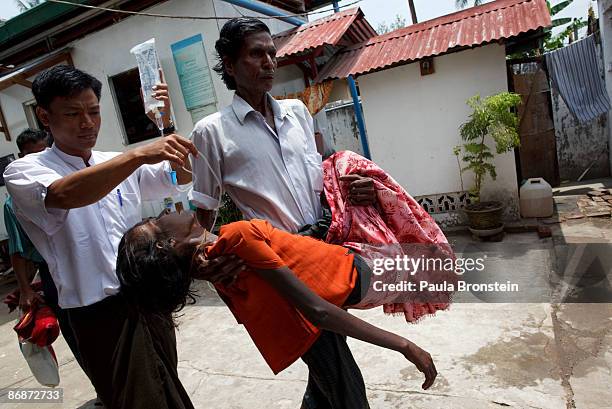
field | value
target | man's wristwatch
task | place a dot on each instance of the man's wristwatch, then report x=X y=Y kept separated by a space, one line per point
x=169 y=130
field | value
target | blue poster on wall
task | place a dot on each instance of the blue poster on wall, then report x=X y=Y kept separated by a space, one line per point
x=193 y=72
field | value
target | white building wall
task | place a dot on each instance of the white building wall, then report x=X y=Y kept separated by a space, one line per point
x=605 y=27
x=580 y=145
x=413 y=122
x=288 y=80
x=106 y=53
x=342 y=129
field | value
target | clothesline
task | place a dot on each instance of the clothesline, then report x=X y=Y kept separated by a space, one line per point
x=140 y=13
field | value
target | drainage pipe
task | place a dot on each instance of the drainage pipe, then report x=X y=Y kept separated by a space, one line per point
x=357 y=106
x=266 y=10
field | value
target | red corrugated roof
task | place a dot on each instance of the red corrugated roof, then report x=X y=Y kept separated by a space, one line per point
x=345 y=28
x=468 y=28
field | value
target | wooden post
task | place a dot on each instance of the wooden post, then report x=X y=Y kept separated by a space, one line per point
x=3 y=126
x=412 y=11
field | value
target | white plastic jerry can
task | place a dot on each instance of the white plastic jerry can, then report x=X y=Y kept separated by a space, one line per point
x=536 y=198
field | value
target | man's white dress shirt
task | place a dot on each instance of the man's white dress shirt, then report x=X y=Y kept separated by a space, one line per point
x=275 y=176
x=80 y=245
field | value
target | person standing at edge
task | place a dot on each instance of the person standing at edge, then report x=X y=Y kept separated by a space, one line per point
x=24 y=257
x=263 y=152
x=75 y=203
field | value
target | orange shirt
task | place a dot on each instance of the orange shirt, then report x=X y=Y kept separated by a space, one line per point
x=279 y=331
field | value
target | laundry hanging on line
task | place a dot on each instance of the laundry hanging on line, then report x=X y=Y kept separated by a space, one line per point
x=574 y=72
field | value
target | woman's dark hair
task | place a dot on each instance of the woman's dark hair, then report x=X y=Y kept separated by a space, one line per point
x=29 y=135
x=231 y=39
x=62 y=81
x=154 y=278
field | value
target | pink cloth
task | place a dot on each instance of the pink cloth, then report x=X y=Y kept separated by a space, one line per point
x=396 y=219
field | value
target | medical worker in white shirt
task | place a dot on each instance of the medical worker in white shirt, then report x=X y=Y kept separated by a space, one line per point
x=75 y=204
x=262 y=152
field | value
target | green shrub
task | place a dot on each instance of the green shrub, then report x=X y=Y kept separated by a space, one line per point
x=496 y=117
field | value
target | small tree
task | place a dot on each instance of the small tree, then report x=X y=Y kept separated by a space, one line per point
x=24 y=5
x=399 y=22
x=461 y=4
x=493 y=116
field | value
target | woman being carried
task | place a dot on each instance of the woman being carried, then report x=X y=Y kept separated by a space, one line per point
x=293 y=286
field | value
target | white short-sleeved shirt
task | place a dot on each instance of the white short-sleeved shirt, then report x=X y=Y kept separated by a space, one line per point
x=80 y=245
x=271 y=176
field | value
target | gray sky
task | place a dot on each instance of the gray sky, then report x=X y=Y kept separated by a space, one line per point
x=377 y=11
x=8 y=9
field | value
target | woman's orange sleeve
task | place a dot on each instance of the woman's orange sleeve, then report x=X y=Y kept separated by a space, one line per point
x=249 y=240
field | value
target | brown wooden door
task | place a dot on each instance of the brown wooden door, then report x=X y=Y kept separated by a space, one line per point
x=537 y=155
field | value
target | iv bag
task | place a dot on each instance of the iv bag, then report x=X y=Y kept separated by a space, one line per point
x=148 y=68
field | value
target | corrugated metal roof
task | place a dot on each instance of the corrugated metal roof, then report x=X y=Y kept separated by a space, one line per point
x=349 y=25
x=468 y=28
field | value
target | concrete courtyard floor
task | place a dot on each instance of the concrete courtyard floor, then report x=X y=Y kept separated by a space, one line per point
x=539 y=354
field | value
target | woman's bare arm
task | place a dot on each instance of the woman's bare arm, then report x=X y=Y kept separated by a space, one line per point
x=327 y=316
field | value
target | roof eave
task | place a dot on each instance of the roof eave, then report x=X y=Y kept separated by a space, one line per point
x=371 y=56
x=34 y=18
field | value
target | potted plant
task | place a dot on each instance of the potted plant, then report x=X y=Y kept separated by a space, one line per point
x=493 y=117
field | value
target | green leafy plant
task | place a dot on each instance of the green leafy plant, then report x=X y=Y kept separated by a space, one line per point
x=228 y=212
x=495 y=117
x=552 y=42
x=558 y=41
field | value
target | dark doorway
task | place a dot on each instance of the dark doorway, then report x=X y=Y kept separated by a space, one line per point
x=137 y=126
